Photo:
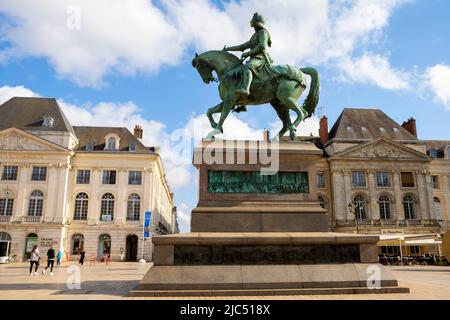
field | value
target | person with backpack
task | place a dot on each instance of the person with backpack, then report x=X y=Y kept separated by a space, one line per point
x=34 y=260
x=50 y=260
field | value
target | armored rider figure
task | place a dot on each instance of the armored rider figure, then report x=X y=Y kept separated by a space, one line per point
x=259 y=58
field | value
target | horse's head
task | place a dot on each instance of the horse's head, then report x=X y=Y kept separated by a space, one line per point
x=204 y=69
x=216 y=60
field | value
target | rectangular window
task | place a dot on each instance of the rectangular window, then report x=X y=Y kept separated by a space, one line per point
x=132 y=147
x=435 y=182
x=109 y=177
x=321 y=181
x=135 y=178
x=359 y=179
x=383 y=179
x=39 y=174
x=6 y=207
x=10 y=173
x=83 y=176
x=407 y=179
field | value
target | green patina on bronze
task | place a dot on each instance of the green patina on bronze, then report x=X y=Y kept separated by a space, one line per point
x=257 y=82
x=255 y=182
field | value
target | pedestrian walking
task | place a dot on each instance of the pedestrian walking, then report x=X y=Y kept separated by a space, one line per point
x=34 y=260
x=59 y=258
x=82 y=255
x=50 y=260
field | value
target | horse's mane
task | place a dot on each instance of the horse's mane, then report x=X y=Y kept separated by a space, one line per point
x=229 y=57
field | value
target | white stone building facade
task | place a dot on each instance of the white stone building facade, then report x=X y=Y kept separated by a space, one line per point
x=80 y=188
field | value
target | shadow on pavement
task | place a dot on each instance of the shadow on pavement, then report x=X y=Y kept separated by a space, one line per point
x=112 y=288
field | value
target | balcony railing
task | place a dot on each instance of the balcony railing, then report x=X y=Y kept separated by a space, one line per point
x=5 y=219
x=32 y=219
x=389 y=222
x=364 y=222
x=413 y=222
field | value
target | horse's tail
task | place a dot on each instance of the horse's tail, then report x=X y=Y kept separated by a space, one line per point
x=312 y=100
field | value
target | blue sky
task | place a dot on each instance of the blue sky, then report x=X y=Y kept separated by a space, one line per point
x=130 y=61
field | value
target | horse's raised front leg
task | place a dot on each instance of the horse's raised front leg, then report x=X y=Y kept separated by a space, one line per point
x=211 y=111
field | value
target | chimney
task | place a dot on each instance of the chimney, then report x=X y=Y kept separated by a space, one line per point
x=323 y=130
x=410 y=125
x=138 y=132
x=266 y=135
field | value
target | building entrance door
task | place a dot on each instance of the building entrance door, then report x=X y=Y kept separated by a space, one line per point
x=132 y=245
x=104 y=245
x=5 y=244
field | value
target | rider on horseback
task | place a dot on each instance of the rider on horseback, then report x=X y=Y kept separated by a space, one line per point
x=259 y=58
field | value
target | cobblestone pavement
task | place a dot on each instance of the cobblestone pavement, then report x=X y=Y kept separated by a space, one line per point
x=116 y=280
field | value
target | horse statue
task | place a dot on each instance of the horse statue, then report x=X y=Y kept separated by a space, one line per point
x=281 y=86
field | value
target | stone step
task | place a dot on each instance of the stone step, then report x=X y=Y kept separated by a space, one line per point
x=265 y=292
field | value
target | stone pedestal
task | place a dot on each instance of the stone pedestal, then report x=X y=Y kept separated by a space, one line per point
x=262 y=235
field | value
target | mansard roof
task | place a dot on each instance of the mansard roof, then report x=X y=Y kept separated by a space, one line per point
x=28 y=114
x=368 y=124
x=97 y=136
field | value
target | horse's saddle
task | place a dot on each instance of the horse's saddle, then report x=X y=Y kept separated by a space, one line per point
x=269 y=72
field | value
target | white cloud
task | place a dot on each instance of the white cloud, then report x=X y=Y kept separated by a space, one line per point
x=376 y=70
x=184 y=217
x=438 y=81
x=7 y=93
x=124 y=36
x=129 y=36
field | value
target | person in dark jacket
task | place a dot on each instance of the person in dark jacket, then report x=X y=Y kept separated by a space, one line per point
x=50 y=260
x=82 y=255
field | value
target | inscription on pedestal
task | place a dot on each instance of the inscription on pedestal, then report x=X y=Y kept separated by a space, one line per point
x=266 y=255
x=255 y=182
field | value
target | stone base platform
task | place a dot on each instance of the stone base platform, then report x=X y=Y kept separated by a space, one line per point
x=198 y=264
x=265 y=280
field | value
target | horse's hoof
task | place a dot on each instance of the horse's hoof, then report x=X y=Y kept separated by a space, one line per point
x=212 y=134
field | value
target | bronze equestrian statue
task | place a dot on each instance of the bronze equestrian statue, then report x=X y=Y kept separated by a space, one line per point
x=257 y=82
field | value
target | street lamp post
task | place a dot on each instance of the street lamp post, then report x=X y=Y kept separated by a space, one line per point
x=353 y=208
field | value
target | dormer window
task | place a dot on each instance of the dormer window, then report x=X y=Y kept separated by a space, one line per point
x=433 y=153
x=90 y=146
x=382 y=130
x=364 y=129
x=112 y=142
x=395 y=130
x=349 y=128
x=48 y=121
x=132 y=147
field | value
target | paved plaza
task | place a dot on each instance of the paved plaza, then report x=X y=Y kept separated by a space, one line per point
x=116 y=280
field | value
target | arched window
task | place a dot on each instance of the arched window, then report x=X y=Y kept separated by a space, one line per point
x=81 y=206
x=321 y=201
x=6 y=206
x=385 y=208
x=77 y=243
x=112 y=143
x=107 y=207
x=134 y=207
x=360 y=207
x=36 y=204
x=437 y=209
x=408 y=206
